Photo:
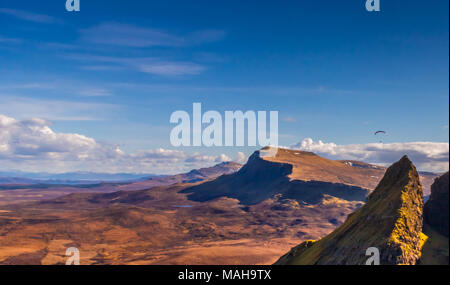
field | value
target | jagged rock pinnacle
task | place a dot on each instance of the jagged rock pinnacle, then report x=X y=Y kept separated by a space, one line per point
x=391 y=221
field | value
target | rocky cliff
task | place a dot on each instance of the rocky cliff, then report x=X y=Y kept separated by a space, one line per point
x=436 y=209
x=391 y=221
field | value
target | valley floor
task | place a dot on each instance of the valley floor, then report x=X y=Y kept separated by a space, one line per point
x=161 y=226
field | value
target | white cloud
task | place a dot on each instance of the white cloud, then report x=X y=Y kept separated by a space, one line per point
x=430 y=156
x=133 y=36
x=241 y=158
x=31 y=145
x=95 y=92
x=4 y=40
x=149 y=65
x=28 y=16
x=34 y=139
x=172 y=68
x=289 y=120
x=55 y=110
x=223 y=158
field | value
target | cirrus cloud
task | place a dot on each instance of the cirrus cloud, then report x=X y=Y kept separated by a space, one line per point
x=28 y=16
x=119 y=34
x=150 y=65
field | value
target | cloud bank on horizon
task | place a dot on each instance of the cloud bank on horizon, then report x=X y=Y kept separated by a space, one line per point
x=427 y=156
x=31 y=145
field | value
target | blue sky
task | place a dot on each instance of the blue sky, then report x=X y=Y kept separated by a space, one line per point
x=115 y=72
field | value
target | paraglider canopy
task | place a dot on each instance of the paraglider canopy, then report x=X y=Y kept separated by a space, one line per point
x=380 y=132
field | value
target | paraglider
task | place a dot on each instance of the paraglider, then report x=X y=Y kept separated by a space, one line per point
x=379 y=133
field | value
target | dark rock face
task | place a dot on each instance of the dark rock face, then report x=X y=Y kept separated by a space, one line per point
x=246 y=184
x=436 y=209
x=391 y=221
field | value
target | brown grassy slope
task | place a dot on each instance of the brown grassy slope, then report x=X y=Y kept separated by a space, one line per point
x=308 y=166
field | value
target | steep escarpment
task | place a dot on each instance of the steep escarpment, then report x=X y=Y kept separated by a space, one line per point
x=256 y=181
x=262 y=178
x=391 y=221
x=437 y=207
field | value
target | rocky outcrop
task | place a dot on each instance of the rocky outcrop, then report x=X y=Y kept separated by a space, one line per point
x=436 y=209
x=391 y=221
